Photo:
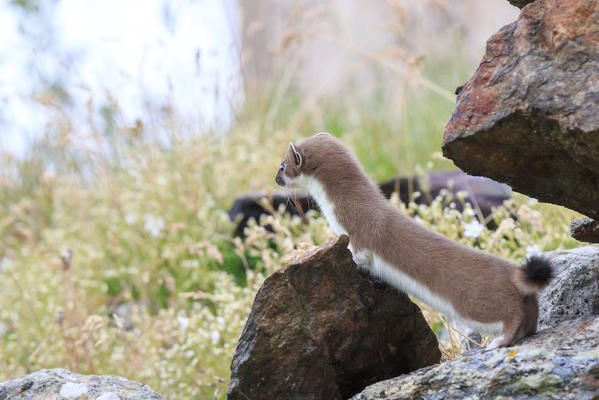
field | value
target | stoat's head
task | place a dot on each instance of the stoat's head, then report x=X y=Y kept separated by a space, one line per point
x=302 y=160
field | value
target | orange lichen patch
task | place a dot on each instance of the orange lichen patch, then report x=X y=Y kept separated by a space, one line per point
x=512 y=353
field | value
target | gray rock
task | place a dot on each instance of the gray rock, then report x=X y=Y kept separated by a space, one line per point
x=528 y=116
x=585 y=230
x=559 y=363
x=574 y=292
x=322 y=329
x=60 y=384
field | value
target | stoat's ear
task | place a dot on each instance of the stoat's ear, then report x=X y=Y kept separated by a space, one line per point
x=296 y=155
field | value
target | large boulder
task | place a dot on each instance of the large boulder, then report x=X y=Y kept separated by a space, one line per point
x=481 y=192
x=574 y=292
x=528 y=116
x=322 y=329
x=557 y=363
x=56 y=384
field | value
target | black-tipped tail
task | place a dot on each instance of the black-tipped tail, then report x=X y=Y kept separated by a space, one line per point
x=538 y=270
x=535 y=274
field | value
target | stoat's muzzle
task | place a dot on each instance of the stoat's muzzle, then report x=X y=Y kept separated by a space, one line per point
x=279 y=179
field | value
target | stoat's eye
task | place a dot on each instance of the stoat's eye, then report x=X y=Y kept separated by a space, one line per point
x=282 y=167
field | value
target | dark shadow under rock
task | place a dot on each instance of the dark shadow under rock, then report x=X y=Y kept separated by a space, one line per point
x=520 y=3
x=322 y=329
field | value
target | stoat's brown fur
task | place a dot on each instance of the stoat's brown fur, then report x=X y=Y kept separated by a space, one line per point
x=483 y=291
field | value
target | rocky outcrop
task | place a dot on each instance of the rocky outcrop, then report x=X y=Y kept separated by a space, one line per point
x=574 y=292
x=528 y=116
x=482 y=193
x=558 y=363
x=322 y=329
x=585 y=230
x=62 y=384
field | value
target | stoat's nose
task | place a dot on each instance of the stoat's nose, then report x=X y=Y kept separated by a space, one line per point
x=279 y=180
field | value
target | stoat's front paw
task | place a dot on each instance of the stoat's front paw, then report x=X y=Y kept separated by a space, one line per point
x=362 y=258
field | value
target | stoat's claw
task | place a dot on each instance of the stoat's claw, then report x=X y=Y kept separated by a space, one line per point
x=495 y=343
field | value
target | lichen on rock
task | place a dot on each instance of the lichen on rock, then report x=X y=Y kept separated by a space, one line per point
x=64 y=384
x=557 y=363
x=574 y=291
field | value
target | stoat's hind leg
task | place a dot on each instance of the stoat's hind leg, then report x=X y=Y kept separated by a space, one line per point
x=512 y=331
x=363 y=258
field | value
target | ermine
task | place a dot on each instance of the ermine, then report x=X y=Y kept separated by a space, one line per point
x=484 y=292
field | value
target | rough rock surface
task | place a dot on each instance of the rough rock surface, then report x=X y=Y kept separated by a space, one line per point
x=559 y=363
x=57 y=384
x=322 y=329
x=585 y=230
x=528 y=116
x=482 y=192
x=574 y=292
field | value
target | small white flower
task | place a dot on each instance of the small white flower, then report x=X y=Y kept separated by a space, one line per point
x=473 y=229
x=470 y=212
x=153 y=224
x=130 y=218
x=461 y=195
x=189 y=353
x=183 y=322
x=4 y=262
x=532 y=251
x=215 y=336
x=419 y=220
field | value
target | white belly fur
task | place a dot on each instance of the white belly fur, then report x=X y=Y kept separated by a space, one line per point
x=327 y=208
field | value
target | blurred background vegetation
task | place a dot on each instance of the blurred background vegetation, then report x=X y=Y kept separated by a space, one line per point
x=116 y=252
